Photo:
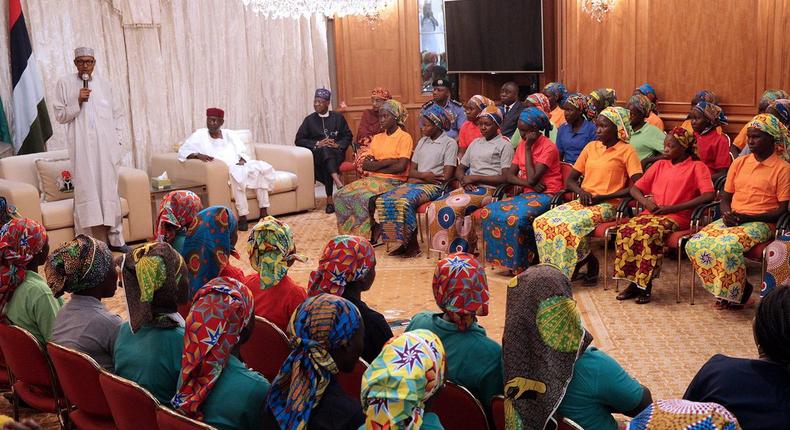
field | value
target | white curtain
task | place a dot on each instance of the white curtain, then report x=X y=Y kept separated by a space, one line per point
x=171 y=59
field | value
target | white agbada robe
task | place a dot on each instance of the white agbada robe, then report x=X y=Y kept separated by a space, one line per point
x=93 y=138
x=254 y=174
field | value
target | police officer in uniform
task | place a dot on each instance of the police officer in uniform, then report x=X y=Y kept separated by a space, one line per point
x=441 y=96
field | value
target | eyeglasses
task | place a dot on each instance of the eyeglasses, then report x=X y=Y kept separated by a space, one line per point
x=85 y=62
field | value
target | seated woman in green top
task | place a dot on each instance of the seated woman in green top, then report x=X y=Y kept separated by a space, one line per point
x=25 y=299
x=647 y=139
x=148 y=347
x=473 y=359
x=215 y=386
x=549 y=363
x=176 y=213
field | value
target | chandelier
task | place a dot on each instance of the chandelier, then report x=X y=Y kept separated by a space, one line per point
x=598 y=9
x=327 y=8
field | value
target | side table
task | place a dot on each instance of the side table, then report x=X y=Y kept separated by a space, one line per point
x=157 y=194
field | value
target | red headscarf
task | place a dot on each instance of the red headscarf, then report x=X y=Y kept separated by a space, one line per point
x=460 y=288
x=21 y=239
x=345 y=259
x=177 y=211
x=381 y=93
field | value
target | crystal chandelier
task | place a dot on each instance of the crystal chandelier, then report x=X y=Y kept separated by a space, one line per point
x=327 y=8
x=598 y=9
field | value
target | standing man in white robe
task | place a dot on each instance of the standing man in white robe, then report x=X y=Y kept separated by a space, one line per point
x=212 y=142
x=88 y=106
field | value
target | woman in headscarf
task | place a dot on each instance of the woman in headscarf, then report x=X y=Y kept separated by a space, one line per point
x=714 y=148
x=209 y=244
x=507 y=224
x=540 y=101
x=84 y=268
x=347 y=268
x=556 y=93
x=326 y=334
x=148 y=348
x=474 y=360
x=25 y=298
x=600 y=99
x=176 y=213
x=550 y=366
x=756 y=193
x=369 y=126
x=395 y=396
x=483 y=167
x=701 y=96
x=469 y=130
x=215 y=386
x=648 y=91
x=578 y=131
x=768 y=97
x=647 y=139
x=272 y=251
x=677 y=184
x=387 y=165
x=608 y=164
x=432 y=168
x=682 y=414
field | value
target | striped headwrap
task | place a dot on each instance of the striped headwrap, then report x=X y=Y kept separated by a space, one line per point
x=396 y=109
x=535 y=117
x=460 y=288
x=685 y=138
x=540 y=101
x=713 y=113
x=79 y=264
x=438 y=116
x=271 y=248
x=621 y=119
x=558 y=89
x=345 y=259
x=493 y=112
x=480 y=102
x=641 y=103
x=21 y=239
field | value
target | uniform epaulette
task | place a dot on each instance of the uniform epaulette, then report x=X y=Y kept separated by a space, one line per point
x=427 y=104
x=457 y=103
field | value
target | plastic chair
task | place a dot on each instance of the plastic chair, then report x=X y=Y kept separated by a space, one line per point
x=5 y=376
x=32 y=376
x=564 y=195
x=79 y=377
x=458 y=409
x=132 y=406
x=352 y=382
x=568 y=424
x=498 y=412
x=267 y=348
x=171 y=420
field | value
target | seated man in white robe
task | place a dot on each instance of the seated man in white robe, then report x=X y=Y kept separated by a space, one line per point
x=207 y=144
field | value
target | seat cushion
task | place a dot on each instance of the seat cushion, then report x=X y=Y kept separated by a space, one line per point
x=756 y=253
x=600 y=229
x=284 y=182
x=347 y=166
x=60 y=214
x=673 y=240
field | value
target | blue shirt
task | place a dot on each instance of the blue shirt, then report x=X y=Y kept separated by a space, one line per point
x=570 y=143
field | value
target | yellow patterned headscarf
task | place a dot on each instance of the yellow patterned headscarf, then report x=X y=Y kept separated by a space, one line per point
x=771 y=125
x=621 y=119
x=409 y=370
x=396 y=109
x=270 y=248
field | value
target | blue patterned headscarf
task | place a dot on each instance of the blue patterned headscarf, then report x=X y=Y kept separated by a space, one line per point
x=647 y=90
x=713 y=113
x=320 y=324
x=323 y=93
x=558 y=89
x=207 y=246
x=535 y=117
x=438 y=116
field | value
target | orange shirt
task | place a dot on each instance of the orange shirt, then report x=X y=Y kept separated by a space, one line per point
x=741 y=140
x=557 y=117
x=673 y=184
x=758 y=187
x=397 y=145
x=655 y=120
x=606 y=170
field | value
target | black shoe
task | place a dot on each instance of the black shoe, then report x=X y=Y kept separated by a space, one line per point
x=243 y=225
x=123 y=249
x=330 y=208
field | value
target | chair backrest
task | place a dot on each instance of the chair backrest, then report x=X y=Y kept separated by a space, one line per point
x=5 y=379
x=458 y=409
x=267 y=348
x=78 y=375
x=132 y=406
x=565 y=171
x=498 y=412
x=568 y=424
x=351 y=382
x=171 y=420
x=22 y=168
x=26 y=358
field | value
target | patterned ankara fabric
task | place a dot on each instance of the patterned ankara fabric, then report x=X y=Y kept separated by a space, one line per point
x=396 y=109
x=642 y=104
x=493 y=112
x=774 y=94
x=450 y=223
x=707 y=96
x=345 y=259
x=220 y=311
x=579 y=101
x=713 y=113
x=684 y=415
x=21 y=239
x=323 y=93
x=208 y=245
x=543 y=338
x=320 y=324
x=647 y=89
x=639 y=248
x=621 y=118
x=352 y=203
x=438 y=116
x=777 y=264
x=771 y=125
x=79 y=264
x=780 y=109
x=7 y=212
x=381 y=93
x=685 y=138
x=540 y=101
x=176 y=212
x=460 y=288
x=534 y=117
x=507 y=229
x=558 y=89
x=396 y=210
x=606 y=96
x=271 y=247
x=409 y=370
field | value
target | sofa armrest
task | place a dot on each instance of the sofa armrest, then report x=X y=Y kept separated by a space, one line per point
x=294 y=159
x=213 y=173
x=133 y=185
x=24 y=196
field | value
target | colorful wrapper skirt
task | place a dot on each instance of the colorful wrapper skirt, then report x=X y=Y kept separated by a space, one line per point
x=639 y=248
x=716 y=253
x=396 y=210
x=561 y=233
x=777 y=258
x=352 y=204
x=450 y=223
x=507 y=229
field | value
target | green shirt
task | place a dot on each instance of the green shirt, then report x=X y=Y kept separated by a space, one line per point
x=238 y=398
x=152 y=358
x=178 y=241
x=474 y=360
x=599 y=387
x=517 y=136
x=33 y=307
x=648 y=141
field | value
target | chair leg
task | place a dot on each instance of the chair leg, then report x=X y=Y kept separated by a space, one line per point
x=606 y=260
x=677 y=285
x=15 y=403
x=763 y=268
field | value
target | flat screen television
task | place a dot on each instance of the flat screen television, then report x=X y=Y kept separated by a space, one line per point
x=494 y=36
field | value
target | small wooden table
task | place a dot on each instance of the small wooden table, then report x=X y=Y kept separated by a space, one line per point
x=157 y=194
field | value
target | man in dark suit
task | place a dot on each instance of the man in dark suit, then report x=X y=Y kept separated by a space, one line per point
x=510 y=108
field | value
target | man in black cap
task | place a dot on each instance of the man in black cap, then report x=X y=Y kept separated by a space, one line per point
x=441 y=96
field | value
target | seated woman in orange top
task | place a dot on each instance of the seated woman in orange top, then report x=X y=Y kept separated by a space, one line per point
x=714 y=149
x=607 y=165
x=469 y=130
x=648 y=91
x=556 y=92
x=768 y=96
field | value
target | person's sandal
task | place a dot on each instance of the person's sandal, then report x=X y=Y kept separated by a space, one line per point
x=330 y=208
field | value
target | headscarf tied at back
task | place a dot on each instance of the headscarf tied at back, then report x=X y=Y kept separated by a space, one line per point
x=409 y=370
x=220 y=311
x=683 y=414
x=460 y=289
x=605 y=95
x=621 y=119
x=543 y=338
x=642 y=104
x=706 y=96
x=271 y=248
x=208 y=245
x=320 y=324
x=535 y=117
x=438 y=116
x=381 y=93
x=540 y=101
x=481 y=102
x=685 y=138
x=713 y=113
x=345 y=259
x=79 y=264
x=493 y=112
x=770 y=124
x=780 y=108
x=396 y=109
x=579 y=101
x=648 y=90
x=558 y=89
x=176 y=212
x=21 y=239
x=152 y=276
x=774 y=94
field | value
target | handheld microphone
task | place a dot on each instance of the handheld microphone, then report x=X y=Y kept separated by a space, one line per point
x=85 y=78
